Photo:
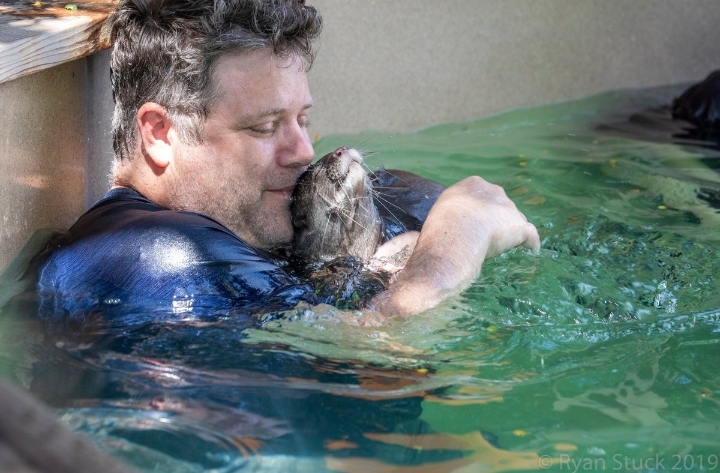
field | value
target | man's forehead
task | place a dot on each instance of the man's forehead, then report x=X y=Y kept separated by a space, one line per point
x=233 y=67
x=262 y=83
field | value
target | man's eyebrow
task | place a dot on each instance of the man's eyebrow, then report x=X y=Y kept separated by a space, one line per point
x=278 y=111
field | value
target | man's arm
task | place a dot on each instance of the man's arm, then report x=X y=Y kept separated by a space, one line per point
x=471 y=221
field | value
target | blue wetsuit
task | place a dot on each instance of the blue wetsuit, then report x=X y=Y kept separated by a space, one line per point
x=130 y=258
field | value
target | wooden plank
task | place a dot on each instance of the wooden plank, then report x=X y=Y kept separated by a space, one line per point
x=38 y=441
x=33 y=38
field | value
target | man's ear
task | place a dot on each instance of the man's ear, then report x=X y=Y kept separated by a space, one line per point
x=156 y=133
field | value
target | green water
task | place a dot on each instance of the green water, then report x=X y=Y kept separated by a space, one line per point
x=598 y=354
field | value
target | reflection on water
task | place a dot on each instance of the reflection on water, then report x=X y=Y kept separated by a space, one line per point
x=600 y=351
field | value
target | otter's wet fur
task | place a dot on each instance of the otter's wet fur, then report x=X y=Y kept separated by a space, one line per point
x=341 y=215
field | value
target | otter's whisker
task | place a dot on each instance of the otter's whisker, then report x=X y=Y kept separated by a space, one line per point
x=397 y=176
x=368 y=169
x=359 y=145
x=322 y=240
x=351 y=219
x=381 y=201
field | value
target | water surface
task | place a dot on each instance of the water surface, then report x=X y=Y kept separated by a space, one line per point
x=599 y=353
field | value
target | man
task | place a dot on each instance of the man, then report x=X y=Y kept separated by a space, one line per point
x=210 y=135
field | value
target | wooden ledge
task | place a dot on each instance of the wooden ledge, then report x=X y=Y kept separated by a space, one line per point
x=36 y=35
x=32 y=440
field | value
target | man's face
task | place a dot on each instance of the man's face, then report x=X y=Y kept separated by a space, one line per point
x=256 y=145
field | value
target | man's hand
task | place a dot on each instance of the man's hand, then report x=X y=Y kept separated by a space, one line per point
x=471 y=221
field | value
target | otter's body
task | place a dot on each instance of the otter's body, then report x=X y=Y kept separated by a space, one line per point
x=341 y=215
x=404 y=200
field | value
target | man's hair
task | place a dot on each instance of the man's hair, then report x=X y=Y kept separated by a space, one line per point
x=165 y=51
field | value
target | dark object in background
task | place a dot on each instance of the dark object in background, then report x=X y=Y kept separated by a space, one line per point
x=685 y=116
x=700 y=104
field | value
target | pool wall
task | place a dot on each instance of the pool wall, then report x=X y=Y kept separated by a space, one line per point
x=382 y=65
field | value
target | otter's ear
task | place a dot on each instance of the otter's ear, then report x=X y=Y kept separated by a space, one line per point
x=156 y=133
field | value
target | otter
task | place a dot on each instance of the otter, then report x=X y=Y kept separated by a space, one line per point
x=353 y=229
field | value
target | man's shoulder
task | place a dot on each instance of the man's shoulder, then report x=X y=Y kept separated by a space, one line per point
x=128 y=248
x=125 y=234
x=126 y=222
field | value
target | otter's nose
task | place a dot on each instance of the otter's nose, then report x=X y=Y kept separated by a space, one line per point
x=351 y=153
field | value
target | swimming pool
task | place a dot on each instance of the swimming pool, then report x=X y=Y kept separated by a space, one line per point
x=600 y=353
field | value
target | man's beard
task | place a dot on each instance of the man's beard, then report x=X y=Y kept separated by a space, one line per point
x=240 y=209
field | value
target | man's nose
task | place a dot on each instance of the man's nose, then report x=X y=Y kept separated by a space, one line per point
x=298 y=150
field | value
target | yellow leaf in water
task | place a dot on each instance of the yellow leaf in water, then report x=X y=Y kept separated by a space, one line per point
x=520 y=191
x=334 y=445
x=535 y=200
x=565 y=447
x=520 y=433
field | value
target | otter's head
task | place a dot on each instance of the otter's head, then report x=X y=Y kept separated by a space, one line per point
x=333 y=212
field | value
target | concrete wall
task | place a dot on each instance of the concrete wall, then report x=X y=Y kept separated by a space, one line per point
x=56 y=150
x=407 y=64
x=383 y=65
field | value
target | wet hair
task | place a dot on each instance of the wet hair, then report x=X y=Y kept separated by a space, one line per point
x=165 y=51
